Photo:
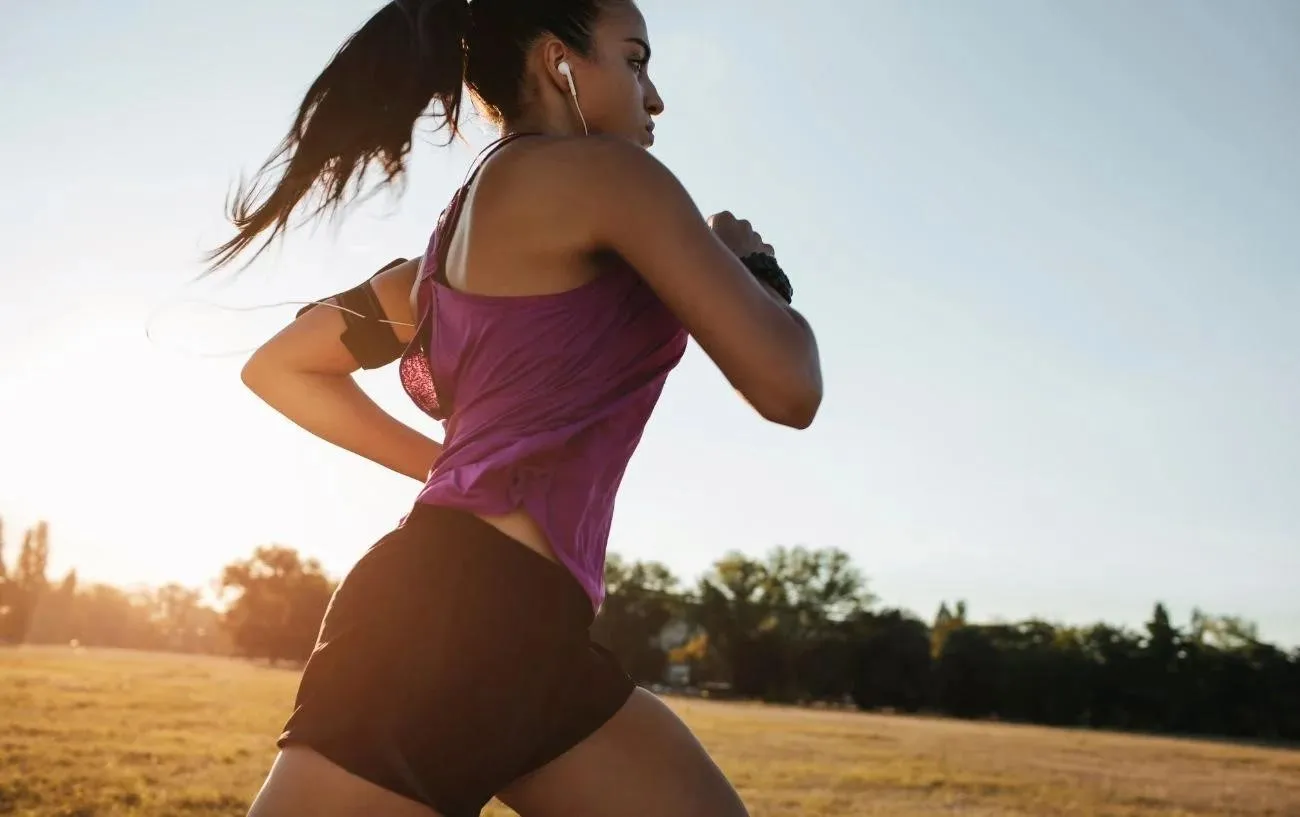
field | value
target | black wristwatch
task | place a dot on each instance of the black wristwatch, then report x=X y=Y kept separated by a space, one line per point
x=765 y=269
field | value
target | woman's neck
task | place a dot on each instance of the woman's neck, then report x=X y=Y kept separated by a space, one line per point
x=549 y=119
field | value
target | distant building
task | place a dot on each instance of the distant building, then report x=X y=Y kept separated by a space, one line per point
x=675 y=634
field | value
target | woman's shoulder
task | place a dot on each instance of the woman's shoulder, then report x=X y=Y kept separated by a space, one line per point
x=572 y=191
x=560 y=166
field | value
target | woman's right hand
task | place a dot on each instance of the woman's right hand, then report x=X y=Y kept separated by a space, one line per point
x=738 y=235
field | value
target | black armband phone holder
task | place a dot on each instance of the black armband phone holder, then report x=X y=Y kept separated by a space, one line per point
x=765 y=269
x=366 y=334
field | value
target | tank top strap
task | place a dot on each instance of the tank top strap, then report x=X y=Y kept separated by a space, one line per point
x=415 y=367
x=451 y=215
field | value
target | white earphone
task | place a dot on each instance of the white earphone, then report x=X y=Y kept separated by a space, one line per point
x=567 y=72
x=564 y=69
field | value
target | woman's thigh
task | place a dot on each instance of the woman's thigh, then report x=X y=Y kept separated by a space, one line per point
x=303 y=782
x=643 y=761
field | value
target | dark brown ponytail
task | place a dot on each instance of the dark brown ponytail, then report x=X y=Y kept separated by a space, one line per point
x=363 y=107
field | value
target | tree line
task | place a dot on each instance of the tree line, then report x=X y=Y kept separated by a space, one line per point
x=795 y=626
x=36 y=610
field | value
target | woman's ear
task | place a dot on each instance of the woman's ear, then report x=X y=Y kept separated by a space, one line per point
x=554 y=54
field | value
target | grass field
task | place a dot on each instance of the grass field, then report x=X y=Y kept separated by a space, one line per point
x=118 y=733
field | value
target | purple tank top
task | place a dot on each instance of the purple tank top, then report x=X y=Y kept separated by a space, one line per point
x=543 y=398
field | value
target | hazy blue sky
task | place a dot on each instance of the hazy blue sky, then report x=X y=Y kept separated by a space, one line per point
x=1051 y=251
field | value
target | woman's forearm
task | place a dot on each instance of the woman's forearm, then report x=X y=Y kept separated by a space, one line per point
x=334 y=408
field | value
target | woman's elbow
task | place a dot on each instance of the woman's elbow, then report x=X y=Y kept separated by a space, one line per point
x=256 y=374
x=797 y=393
x=794 y=406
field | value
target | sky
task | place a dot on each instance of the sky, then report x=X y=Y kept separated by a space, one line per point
x=1051 y=252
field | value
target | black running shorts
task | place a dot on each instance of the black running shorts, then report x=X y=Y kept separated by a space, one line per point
x=453 y=660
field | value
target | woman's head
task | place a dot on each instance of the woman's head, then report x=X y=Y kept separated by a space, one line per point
x=515 y=48
x=364 y=106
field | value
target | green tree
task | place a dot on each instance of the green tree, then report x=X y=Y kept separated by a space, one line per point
x=945 y=621
x=777 y=623
x=892 y=663
x=52 y=617
x=736 y=602
x=107 y=616
x=811 y=589
x=279 y=601
x=968 y=673
x=1224 y=632
x=5 y=590
x=182 y=621
x=641 y=598
x=28 y=583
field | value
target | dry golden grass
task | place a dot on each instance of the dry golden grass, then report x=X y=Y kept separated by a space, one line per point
x=117 y=733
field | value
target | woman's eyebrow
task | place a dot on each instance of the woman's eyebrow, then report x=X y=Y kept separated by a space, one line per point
x=641 y=43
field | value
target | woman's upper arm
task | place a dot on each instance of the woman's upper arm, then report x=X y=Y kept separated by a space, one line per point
x=641 y=211
x=312 y=342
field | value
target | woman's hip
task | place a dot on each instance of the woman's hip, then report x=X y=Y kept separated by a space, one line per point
x=452 y=660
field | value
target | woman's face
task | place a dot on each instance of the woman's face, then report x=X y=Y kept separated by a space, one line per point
x=615 y=93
